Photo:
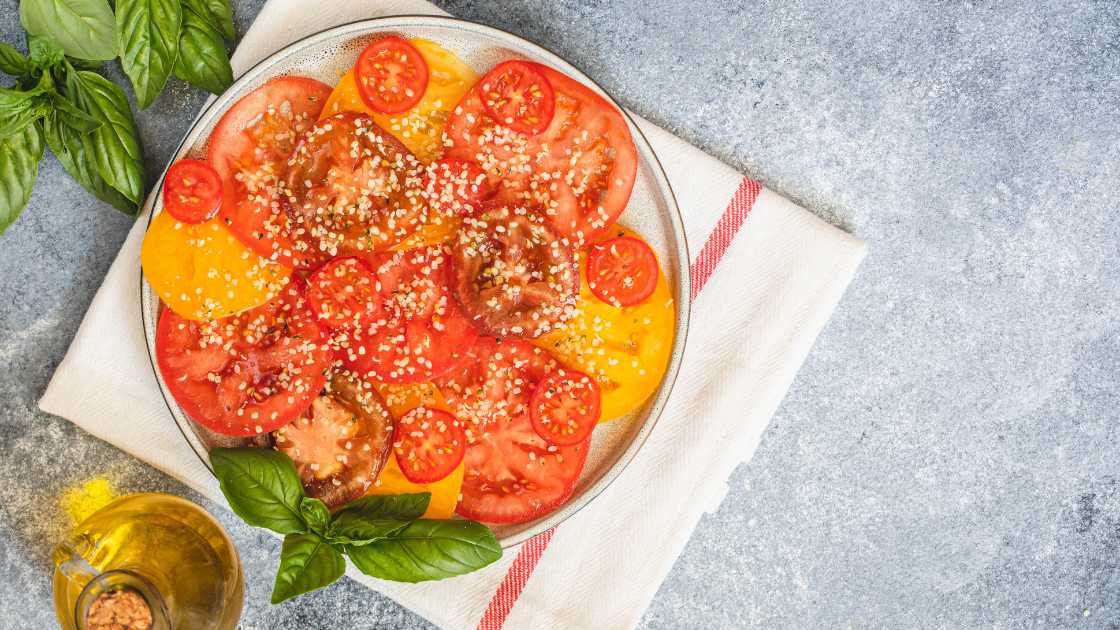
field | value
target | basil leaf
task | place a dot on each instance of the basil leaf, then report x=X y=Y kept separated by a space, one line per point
x=401 y=507
x=83 y=28
x=116 y=147
x=148 y=31
x=12 y=61
x=261 y=486
x=217 y=13
x=307 y=562
x=71 y=115
x=44 y=52
x=202 y=61
x=427 y=550
x=350 y=529
x=84 y=64
x=19 y=166
x=75 y=152
x=316 y=514
x=18 y=109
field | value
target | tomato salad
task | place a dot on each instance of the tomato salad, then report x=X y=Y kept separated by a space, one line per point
x=413 y=281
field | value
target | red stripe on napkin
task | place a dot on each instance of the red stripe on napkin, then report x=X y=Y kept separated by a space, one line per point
x=714 y=249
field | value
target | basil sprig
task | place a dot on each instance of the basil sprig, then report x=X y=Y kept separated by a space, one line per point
x=382 y=535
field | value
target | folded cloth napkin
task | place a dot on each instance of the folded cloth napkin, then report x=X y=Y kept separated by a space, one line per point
x=765 y=279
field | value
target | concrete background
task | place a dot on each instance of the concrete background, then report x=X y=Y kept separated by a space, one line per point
x=947 y=457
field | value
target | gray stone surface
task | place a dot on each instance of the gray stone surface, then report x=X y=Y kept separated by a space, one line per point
x=947 y=457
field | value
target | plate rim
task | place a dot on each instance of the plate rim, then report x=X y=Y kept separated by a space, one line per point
x=684 y=266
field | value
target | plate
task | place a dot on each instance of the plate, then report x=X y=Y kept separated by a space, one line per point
x=652 y=211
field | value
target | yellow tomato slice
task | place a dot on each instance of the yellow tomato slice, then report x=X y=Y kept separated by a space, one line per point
x=625 y=349
x=400 y=399
x=420 y=128
x=203 y=272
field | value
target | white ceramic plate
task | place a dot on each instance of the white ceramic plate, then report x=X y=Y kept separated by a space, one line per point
x=652 y=211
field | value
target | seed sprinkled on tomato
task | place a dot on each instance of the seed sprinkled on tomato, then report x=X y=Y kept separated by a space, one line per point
x=429 y=444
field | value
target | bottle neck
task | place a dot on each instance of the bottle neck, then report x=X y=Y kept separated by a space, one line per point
x=119 y=591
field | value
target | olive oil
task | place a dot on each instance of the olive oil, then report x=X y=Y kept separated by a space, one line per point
x=167 y=550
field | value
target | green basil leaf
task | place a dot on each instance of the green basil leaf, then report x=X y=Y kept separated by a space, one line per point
x=83 y=28
x=202 y=61
x=348 y=528
x=117 y=147
x=44 y=52
x=84 y=64
x=316 y=514
x=148 y=31
x=18 y=109
x=427 y=550
x=19 y=166
x=217 y=13
x=401 y=507
x=13 y=62
x=75 y=151
x=71 y=115
x=261 y=486
x=307 y=562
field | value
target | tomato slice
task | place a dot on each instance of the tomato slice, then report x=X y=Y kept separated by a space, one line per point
x=514 y=275
x=580 y=170
x=512 y=474
x=341 y=293
x=249 y=148
x=429 y=444
x=341 y=443
x=421 y=332
x=192 y=191
x=456 y=187
x=519 y=97
x=565 y=407
x=245 y=374
x=622 y=271
x=391 y=75
x=351 y=188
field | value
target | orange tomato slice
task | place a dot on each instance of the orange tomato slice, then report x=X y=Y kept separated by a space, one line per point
x=203 y=272
x=400 y=399
x=626 y=350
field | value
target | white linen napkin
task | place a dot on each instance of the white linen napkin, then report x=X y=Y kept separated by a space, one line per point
x=777 y=282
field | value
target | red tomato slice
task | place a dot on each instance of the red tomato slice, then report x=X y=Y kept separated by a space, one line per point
x=192 y=191
x=519 y=97
x=421 y=332
x=565 y=407
x=341 y=293
x=245 y=374
x=351 y=188
x=512 y=475
x=579 y=171
x=429 y=444
x=391 y=75
x=249 y=148
x=494 y=382
x=340 y=444
x=456 y=187
x=622 y=271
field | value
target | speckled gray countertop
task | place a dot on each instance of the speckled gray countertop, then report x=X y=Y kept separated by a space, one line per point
x=948 y=456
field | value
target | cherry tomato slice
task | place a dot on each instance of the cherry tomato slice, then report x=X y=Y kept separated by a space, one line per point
x=342 y=293
x=518 y=97
x=391 y=75
x=456 y=187
x=245 y=374
x=622 y=271
x=429 y=444
x=341 y=443
x=421 y=332
x=565 y=407
x=192 y=191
